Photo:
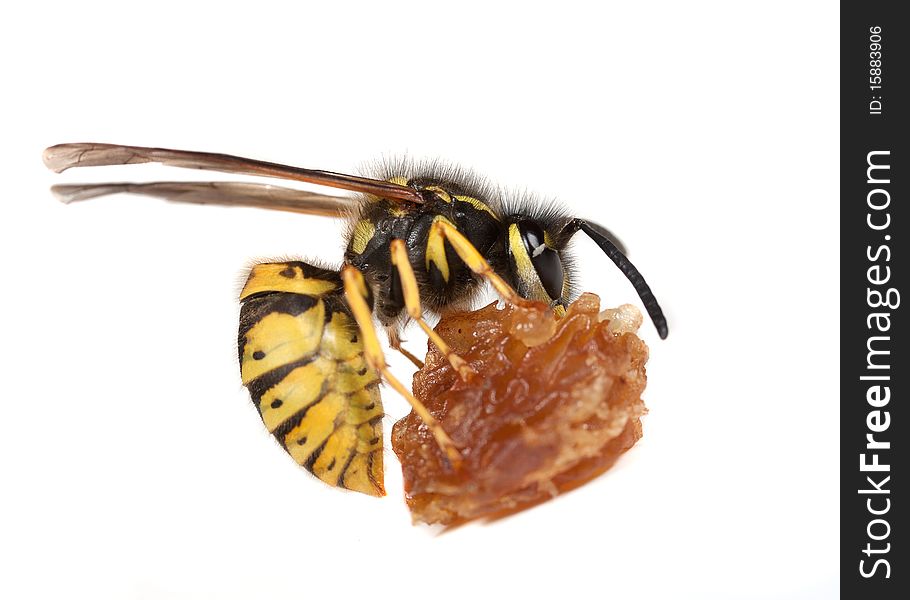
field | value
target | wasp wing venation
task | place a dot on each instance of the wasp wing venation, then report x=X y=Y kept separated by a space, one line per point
x=302 y=359
x=65 y=156
x=221 y=193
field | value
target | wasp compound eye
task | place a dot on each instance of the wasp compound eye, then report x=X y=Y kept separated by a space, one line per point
x=546 y=260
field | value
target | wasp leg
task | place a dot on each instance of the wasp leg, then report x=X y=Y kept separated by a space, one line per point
x=476 y=262
x=412 y=303
x=355 y=291
x=395 y=343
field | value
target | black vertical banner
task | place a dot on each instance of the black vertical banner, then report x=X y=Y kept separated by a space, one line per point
x=875 y=376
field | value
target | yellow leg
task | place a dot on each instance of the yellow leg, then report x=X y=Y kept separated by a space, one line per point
x=355 y=291
x=533 y=327
x=477 y=263
x=412 y=302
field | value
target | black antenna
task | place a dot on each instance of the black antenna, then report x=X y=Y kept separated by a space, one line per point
x=628 y=269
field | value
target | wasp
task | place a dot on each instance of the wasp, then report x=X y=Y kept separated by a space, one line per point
x=421 y=237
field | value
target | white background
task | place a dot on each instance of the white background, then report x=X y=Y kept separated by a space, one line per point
x=704 y=133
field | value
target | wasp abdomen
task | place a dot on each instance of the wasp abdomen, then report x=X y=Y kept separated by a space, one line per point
x=303 y=362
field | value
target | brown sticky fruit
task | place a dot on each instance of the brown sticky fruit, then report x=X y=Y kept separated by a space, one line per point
x=554 y=403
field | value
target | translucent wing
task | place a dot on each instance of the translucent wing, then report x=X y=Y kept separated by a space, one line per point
x=225 y=193
x=64 y=156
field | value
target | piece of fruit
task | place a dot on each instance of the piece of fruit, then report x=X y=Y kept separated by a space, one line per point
x=554 y=403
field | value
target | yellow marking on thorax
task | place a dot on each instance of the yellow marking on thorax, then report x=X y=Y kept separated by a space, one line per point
x=548 y=240
x=477 y=204
x=441 y=193
x=445 y=196
x=436 y=249
x=364 y=231
x=282 y=277
x=397 y=179
x=278 y=339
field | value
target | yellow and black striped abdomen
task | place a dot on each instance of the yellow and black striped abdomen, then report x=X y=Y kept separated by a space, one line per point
x=302 y=359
